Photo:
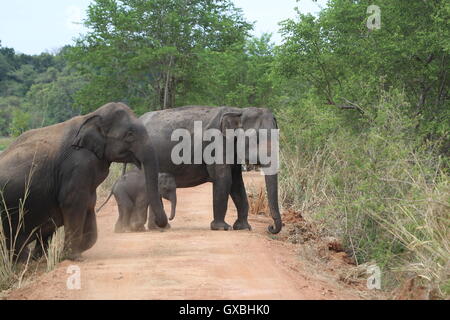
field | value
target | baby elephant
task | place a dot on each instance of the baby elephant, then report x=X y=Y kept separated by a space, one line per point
x=131 y=197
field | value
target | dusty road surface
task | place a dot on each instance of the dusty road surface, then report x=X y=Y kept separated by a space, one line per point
x=188 y=261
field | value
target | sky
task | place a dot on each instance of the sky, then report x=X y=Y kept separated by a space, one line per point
x=35 y=26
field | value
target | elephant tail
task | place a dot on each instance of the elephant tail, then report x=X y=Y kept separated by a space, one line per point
x=124 y=171
x=107 y=199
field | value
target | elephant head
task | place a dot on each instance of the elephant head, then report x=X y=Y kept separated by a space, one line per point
x=114 y=134
x=258 y=119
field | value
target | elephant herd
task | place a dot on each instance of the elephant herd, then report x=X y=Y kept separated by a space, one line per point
x=49 y=176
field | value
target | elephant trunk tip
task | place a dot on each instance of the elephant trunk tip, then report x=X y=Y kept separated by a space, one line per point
x=277 y=228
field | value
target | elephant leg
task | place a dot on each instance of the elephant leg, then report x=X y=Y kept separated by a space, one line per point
x=139 y=214
x=221 y=191
x=151 y=225
x=89 y=230
x=73 y=228
x=41 y=246
x=20 y=250
x=239 y=196
x=138 y=219
x=125 y=206
x=77 y=215
x=22 y=257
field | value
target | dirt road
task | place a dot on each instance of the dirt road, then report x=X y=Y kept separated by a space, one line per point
x=188 y=261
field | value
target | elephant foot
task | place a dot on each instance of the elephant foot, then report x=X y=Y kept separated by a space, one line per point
x=138 y=228
x=22 y=257
x=76 y=257
x=220 y=225
x=153 y=226
x=37 y=252
x=120 y=229
x=241 y=225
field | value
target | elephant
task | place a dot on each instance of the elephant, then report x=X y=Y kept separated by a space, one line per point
x=131 y=198
x=51 y=175
x=226 y=178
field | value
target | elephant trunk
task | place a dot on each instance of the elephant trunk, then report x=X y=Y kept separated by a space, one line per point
x=151 y=168
x=173 y=205
x=272 y=194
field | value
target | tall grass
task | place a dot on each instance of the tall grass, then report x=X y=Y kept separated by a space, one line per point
x=55 y=249
x=11 y=271
x=379 y=189
x=14 y=264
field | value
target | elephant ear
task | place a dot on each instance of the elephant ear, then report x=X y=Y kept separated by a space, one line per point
x=230 y=120
x=90 y=136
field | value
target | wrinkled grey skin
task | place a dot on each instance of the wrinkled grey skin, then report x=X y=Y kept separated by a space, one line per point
x=226 y=179
x=65 y=163
x=131 y=198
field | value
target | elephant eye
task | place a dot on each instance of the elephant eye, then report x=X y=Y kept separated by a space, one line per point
x=129 y=136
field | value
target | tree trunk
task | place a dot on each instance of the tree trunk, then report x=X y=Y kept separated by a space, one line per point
x=169 y=98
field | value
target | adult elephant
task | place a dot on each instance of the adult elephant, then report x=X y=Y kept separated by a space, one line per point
x=226 y=178
x=54 y=172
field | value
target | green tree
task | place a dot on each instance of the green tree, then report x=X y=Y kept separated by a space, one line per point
x=7 y=106
x=53 y=102
x=346 y=64
x=140 y=51
x=20 y=122
x=239 y=76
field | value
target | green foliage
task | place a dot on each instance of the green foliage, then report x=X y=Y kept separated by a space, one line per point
x=4 y=143
x=20 y=122
x=140 y=51
x=364 y=117
x=41 y=86
x=52 y=101
x=238 y=76
x=379 y=189
x=345 y=63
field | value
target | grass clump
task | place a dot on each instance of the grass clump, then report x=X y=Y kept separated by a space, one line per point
x=55 y=252
x=11 y=271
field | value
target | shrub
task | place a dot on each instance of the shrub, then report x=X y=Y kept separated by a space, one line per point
x=380 y=190
x=20 y=123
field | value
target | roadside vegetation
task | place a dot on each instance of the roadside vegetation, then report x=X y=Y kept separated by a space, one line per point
x=5 y=142
x=365 y=134
x=16 y=267
x=364 y=113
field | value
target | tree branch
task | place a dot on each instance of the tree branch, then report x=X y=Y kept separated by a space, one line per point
x=348 y=106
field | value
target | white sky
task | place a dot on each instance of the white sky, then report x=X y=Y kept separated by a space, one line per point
x=35 y=26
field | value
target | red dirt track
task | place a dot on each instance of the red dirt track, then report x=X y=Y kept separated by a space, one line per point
x=188 y=261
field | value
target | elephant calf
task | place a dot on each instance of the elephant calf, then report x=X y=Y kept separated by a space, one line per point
x=129 y=192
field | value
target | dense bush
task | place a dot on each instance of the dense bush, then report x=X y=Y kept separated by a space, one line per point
x=380 y=190
x=365 y=132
